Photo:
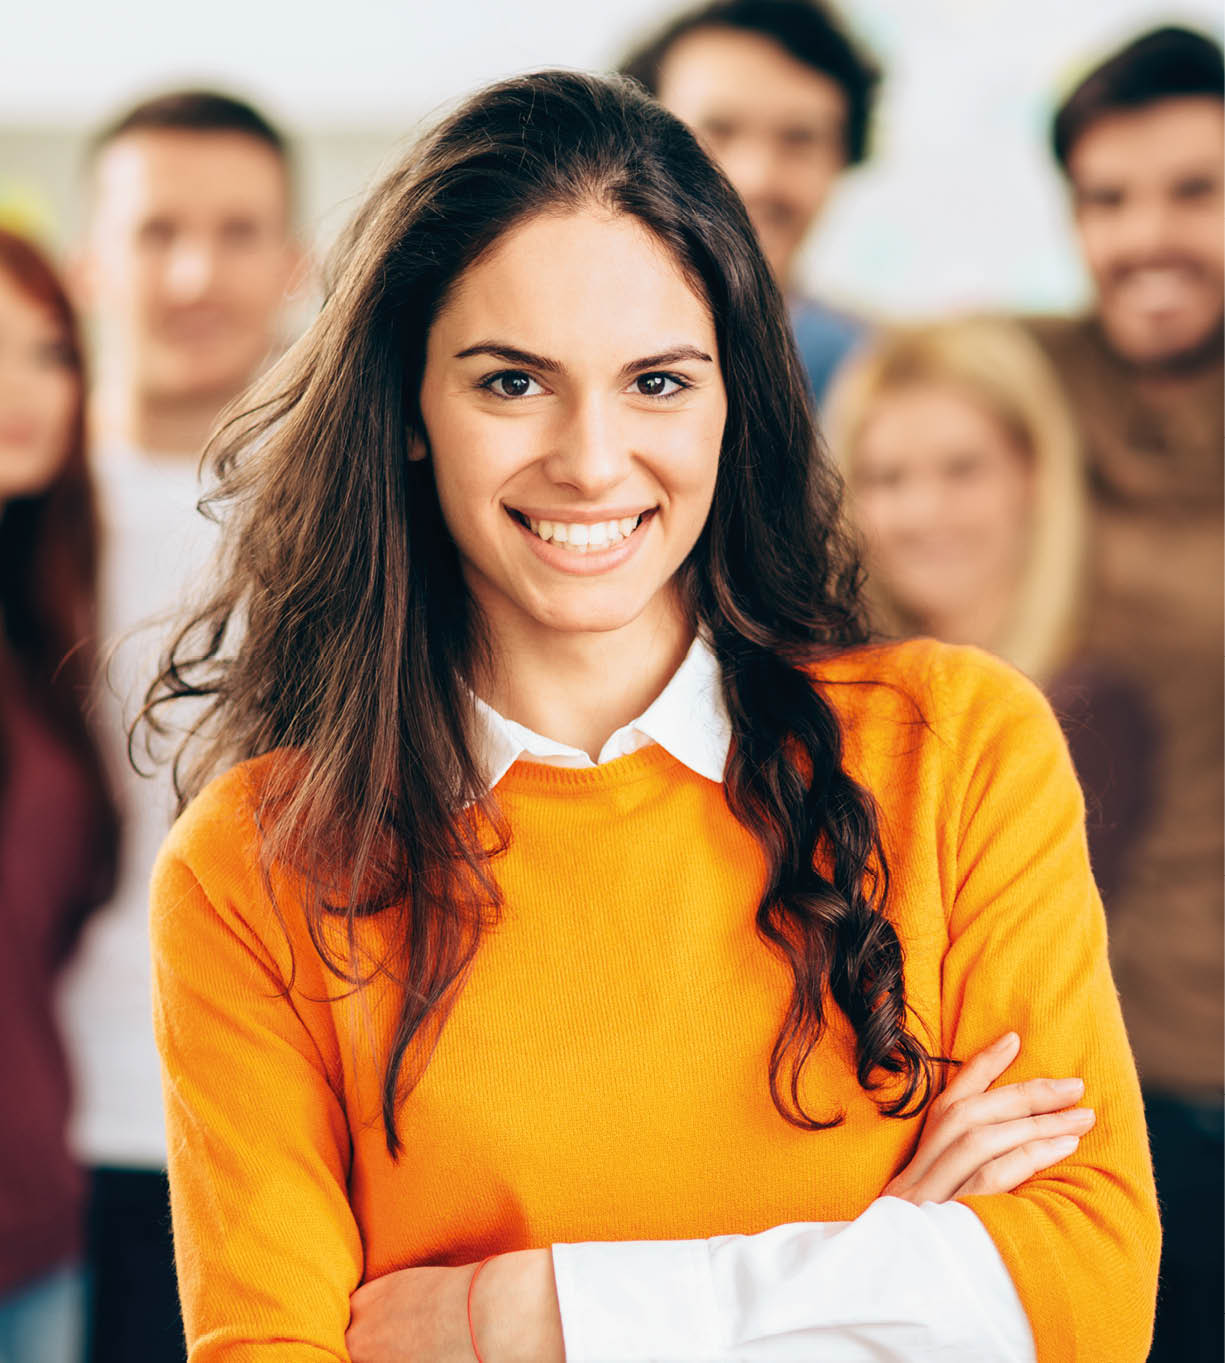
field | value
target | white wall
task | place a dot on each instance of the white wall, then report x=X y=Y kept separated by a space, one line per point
x=958 y=207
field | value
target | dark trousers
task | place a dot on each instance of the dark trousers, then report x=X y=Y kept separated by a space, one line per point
x=1188 y=1140
x=133 y=1312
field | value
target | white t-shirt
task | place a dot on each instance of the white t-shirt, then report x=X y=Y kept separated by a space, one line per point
x=156 y=547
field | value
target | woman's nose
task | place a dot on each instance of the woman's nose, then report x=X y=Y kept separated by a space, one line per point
x=592 y=451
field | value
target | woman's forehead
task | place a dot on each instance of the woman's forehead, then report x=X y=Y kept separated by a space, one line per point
x=585 y=280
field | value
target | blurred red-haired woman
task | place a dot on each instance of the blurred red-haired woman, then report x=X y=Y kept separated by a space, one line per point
x=57 y=822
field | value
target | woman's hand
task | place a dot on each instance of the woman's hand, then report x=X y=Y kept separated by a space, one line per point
x=411 y=1316
x=982 y=1140
x=420 y=1315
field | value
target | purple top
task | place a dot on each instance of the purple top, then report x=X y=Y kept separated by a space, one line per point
x=55 y=867
x=1114 y=740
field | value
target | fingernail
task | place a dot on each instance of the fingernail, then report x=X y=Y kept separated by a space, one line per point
x=1068 y=1088
x=1064 y=1145
x=1007 y=1040
x=1082 y=1116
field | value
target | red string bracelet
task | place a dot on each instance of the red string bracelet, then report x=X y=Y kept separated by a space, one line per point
x=471 y=1332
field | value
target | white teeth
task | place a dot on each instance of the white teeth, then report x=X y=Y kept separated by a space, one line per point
x=1157 y=288
x=583 y=536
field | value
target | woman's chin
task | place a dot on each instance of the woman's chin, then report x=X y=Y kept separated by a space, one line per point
x=595 y=619
x=585 y=608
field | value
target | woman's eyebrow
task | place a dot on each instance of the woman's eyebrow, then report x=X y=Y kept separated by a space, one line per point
x=514 y=355
x=677 y=355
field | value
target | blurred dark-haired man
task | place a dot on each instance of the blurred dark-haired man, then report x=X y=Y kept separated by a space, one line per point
x=1141 y=141
x=188 y=255
x=782 y=99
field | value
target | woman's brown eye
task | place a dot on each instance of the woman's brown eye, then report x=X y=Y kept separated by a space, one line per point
x=657 y=385
x=513 y=385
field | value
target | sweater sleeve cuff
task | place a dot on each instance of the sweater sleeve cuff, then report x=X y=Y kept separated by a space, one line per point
x=632 y=1301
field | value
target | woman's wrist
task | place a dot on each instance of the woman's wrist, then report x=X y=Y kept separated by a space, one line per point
x=514 y=1311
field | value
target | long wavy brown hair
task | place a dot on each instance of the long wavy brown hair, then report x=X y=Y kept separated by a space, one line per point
x=342 y=628
x=49 y=564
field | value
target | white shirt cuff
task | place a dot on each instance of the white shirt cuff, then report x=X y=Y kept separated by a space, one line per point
x=900 y=1284
x=630 y=1301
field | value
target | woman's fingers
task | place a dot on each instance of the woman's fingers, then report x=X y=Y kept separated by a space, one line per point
x=1009 y=1171
x=976 y=1138
x=992 y=1146
x=1029 y=1098
x=973 y=1078
x=959 y=1110
x=979 y=1072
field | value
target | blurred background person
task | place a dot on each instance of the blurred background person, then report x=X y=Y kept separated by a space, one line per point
x=966 y=481
x=57 y=821
x=1142 y=142
x=781 y=98
x=188 y=254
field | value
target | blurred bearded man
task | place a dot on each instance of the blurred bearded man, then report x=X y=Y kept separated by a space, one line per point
x=188 y=256
x=782 y=99
x=1141 y=141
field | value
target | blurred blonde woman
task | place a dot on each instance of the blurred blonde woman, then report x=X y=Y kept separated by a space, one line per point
x=967 y=485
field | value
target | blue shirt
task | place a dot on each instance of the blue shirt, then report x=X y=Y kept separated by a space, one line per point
x=825 y=337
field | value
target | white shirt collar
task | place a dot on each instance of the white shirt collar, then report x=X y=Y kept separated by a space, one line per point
x=687 y=718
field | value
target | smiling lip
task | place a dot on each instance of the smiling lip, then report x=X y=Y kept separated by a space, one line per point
x=614 y=513
x=594 y=561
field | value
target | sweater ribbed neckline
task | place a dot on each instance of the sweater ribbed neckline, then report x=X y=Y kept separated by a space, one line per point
x=542 y=778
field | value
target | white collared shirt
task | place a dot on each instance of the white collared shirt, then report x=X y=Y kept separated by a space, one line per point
x=900 y=1284
x=687 y=718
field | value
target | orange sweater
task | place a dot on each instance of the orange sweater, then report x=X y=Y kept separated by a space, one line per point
x=604 y=1072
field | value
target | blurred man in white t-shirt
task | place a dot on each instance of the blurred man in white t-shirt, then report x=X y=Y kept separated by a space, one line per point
x=186 y=263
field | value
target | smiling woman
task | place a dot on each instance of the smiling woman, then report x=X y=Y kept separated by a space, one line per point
x=573 y=960
x=615 y=457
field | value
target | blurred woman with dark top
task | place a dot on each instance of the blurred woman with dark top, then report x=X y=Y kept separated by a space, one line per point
x=967 y=482
x=57 y=823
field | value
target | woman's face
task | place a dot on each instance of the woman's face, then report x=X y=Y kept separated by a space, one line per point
x=574 y=409
x=39 y=393
x=943 y=494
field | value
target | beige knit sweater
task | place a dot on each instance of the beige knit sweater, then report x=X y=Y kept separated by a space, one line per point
x=1156 y=609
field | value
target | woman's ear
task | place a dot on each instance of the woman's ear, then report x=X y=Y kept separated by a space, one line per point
x=417 y=448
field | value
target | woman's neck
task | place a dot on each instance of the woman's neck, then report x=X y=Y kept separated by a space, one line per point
x=581 y=688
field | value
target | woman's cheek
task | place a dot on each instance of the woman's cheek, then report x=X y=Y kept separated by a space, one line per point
x=690 y=460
